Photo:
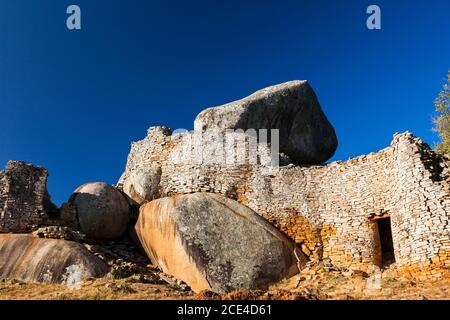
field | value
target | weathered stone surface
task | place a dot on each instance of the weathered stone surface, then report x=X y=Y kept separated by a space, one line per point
x=329 y=210
x=103 y=212
x=306 y=135
x=33 y=259
x=214 y=243
x=142 y=184
x=24 y=200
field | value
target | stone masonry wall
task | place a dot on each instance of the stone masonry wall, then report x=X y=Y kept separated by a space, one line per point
x=24 y=200
x=331 y=210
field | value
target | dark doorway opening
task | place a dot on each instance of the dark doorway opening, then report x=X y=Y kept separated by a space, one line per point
x=387 y=246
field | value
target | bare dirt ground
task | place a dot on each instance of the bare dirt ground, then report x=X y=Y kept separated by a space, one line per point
x=98 y=289
x=313 y=284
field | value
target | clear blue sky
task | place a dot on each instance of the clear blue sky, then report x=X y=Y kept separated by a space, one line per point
x=73 y=101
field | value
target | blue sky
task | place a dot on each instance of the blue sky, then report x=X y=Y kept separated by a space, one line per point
x=73 y=101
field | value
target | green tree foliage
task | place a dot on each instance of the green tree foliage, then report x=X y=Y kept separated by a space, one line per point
x=442 y=121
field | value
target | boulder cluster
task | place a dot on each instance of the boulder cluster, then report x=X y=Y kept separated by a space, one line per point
x=210 y=241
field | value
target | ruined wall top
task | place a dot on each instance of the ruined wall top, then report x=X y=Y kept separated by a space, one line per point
x=24 y=200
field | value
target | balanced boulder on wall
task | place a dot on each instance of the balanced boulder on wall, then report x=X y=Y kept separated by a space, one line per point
x=33 y=259
x=103 y=212
x=306 y=135
x=214 y=243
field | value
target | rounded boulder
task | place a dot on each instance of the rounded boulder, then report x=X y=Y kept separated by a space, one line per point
x=31 y=259
x=215 y=243
x=103 y=212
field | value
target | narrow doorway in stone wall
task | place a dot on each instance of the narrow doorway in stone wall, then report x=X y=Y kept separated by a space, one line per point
x=386 y=244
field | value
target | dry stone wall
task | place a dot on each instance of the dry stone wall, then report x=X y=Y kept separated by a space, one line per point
x=330 y=210
x=24 y=200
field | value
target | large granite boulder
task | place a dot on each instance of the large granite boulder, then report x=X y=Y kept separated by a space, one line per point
x=141 y=185
x=214 y=243
x=24 y=200
x=306 y=135
x=33 y=259
x=103 y=212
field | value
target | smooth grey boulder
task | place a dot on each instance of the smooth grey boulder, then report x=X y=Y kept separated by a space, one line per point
x=141 y=185
x=103 y=212
x=31 y=259
x=215 y=243
x=306 y=135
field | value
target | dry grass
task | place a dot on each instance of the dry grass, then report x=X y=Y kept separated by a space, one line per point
x=99 y=289
x=319 y=285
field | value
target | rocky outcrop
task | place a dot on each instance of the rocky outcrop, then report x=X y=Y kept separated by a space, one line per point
x=241 y=133
x=331 y=211
x=214 y=243
x=33 y=259
x=338 y=211
x=358 y=214
x=103 y=212
x=24 y=200
x=306 y=135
